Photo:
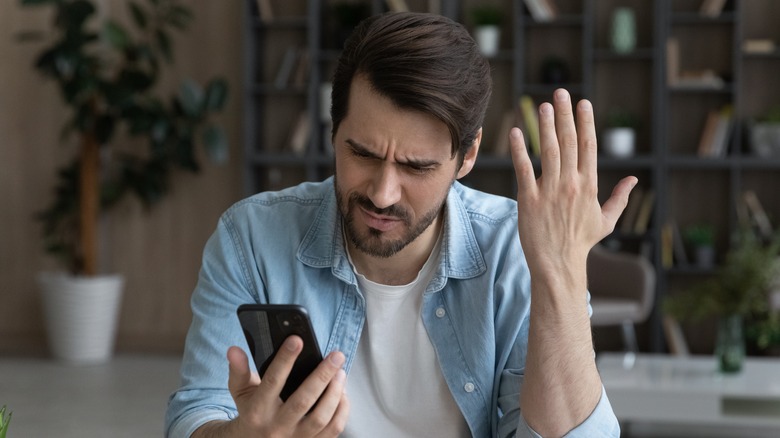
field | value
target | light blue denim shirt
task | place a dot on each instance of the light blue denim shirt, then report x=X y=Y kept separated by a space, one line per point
x=287 y=247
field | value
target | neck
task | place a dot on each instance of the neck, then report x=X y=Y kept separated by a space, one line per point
x=402 y=267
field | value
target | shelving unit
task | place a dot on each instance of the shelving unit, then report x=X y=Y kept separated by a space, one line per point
x=688 y=188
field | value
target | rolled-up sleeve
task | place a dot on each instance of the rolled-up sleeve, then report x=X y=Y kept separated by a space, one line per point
x=601 y=423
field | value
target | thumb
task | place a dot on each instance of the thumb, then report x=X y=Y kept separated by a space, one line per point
x=617 y=202
x=241 y=378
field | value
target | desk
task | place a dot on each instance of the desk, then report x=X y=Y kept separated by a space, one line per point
x=689 y=390
x=125 y=398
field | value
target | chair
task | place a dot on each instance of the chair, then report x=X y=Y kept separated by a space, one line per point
x=622 y=289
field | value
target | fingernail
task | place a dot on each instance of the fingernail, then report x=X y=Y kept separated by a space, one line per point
x=290 y=344
x=585 y=105
x=561 y=94
x=336 y=359
x=546 y=108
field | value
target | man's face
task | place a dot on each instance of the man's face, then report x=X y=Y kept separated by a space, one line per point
x=393 y=171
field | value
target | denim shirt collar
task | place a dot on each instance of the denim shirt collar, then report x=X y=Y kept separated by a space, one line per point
x=323 y=245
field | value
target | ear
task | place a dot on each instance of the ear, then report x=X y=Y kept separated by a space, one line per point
x=471 y=156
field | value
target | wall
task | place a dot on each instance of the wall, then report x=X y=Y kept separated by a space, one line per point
x=158 y=251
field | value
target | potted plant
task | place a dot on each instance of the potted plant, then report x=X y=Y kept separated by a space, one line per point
x=765 y=134
x=107 y=74
x=739 y=293
x=701 y=239
x=487 y=30
x=619 y=136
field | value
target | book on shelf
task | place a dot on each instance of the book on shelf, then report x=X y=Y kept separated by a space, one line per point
x=716 y=133
x=672 y=60
x=675 y=337
x=757 y=214
x=758 y=45
x=301 y=73
x=632 y=211
x=286 y=66
x=678 y=245
x=300 y=134
x=541 y=10
x=265 y=10
x=508 y=121
x=645 y=212
x=531 y=123
x=711 y=8
x=667 y=246
x=397 y=6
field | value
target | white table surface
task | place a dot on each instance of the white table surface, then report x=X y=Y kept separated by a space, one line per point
x=126 y=397
x=669 y=389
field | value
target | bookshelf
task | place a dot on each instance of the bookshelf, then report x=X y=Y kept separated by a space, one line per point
x=571 y=49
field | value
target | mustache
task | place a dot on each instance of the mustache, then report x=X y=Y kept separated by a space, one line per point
x=366 y=204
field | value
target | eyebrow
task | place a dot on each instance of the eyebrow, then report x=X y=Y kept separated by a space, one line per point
x=363 y=150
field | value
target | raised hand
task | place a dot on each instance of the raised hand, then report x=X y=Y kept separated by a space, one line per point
x=559 y=213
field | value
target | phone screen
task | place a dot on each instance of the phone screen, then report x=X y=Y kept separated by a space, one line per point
x=266 y=326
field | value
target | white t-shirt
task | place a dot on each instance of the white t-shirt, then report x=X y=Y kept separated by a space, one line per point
x=395 y=386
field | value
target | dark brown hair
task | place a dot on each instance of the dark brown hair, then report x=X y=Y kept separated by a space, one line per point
x=422 y=62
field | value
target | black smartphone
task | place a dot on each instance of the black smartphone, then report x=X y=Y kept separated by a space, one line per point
x=266 y=326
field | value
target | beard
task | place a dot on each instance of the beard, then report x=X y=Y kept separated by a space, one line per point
x=375 y=242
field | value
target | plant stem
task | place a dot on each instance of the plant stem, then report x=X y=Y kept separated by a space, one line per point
x=89 y=199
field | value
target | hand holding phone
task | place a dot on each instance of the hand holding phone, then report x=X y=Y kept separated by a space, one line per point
x=267 y=326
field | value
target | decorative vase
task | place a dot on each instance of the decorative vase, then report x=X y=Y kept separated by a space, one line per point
x=81 y=316
x=487 y=38
x=623 y=34
x=619 y=142
x=730 y=344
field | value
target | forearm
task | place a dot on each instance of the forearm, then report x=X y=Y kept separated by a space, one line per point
x=216 y=429
x=561 y=386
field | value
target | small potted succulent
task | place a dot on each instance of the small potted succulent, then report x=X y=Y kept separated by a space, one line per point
x=487 y=30
x=619 y=136
x=765 y=134
x=701 y=239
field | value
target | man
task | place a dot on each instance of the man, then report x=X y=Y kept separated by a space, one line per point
x=433 y=320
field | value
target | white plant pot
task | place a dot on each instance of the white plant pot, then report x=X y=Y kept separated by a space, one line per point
x=619 y=142
x=488 y=38
x=81 y=315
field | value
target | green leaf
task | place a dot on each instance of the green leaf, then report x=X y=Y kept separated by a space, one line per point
x=37 y=2
x=179 y=17
x=73 y=14
x=164 y=45
x=104 y=128
x=216 y=144
x=216 y=94
x=139 y=16
x=191 y=97
x=116 y=35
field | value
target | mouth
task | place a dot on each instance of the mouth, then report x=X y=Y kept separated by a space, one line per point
x=379 y=222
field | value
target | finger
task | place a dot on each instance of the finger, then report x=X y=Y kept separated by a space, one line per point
x=551 y=152
x=319 y=418
x=279 y=370
x=241 y=380
x=586 y=129
x=302 y=400
x=566 y=131
x=617 y=202
x=524 y=169
x=339 y=420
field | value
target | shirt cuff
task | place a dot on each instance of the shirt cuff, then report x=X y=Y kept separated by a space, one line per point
x=187 y=424
x=601 y=422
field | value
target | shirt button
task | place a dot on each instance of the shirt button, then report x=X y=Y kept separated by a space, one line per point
x=440 y=312
x=469 y=387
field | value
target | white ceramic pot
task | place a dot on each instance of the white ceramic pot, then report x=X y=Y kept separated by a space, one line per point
x=81 y=315
x=619 y=142
x=488 y=38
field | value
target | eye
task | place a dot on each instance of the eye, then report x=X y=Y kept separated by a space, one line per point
x=419 y=169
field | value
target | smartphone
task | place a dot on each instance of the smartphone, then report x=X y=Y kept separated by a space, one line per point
x=266 y=326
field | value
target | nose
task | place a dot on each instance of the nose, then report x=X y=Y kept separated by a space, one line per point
x=385 y=187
